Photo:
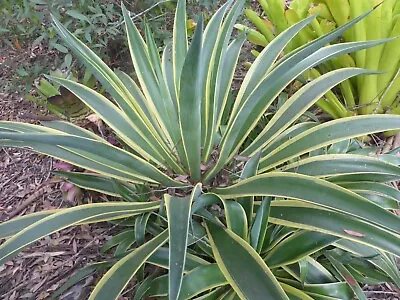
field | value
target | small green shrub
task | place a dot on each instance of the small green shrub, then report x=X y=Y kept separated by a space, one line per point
x=27 y=24
x=274 y=217
x=28 y=21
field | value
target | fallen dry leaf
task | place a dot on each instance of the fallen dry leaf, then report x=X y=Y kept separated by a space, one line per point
x=350 y=280
x=182 y=178
x=354 y=233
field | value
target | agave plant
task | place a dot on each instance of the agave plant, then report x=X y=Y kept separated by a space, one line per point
x=366 y=95
x=283 y=215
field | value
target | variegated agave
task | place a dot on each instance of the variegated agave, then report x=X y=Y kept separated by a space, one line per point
x=274 y=217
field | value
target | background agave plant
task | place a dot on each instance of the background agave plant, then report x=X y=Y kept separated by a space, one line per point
x=282 y=216
x=366 y=95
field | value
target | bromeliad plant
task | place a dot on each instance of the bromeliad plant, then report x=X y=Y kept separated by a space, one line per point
x=366 y=95
x=274 y=217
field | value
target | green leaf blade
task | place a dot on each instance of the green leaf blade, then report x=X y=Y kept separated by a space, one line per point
x=315 y=191
x=233 y=256
x=70 y=217
x=178 y=210
x=190 y=103
x=114 y=281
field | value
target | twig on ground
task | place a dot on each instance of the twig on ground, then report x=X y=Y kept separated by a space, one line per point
x=40 y=192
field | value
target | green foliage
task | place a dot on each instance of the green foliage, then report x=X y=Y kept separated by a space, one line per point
x=27 y=24
x=298 y=211
x=365 y=95
x=29 y=20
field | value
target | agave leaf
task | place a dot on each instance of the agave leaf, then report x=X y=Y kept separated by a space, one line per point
x=109 y=80
x=233 y=256
x=318 y=192
x=294 y=293
x=74 y=159
x=143 y=287
x=179 y=42
x=259 y=228
x=345 y=164
x=296 y=105
x=379 y=188
x=148 y=146
x=178 y=210
x=249 y=170
x=190 y=97
x=230 y=295
x=213 y=295
x=200 y=279
x=288 y=134
x=317 y=273
x=234 y=214
x=222 y=91
x=305 y=216
x=340 y=147
x=364 y=275
x=137 y=94
x=158 y=287
x=157 y=98
x=278 y=234
x=94 y=182
x=326 y=134
x=161 y=258
x=71 y=128
x=140 y=228
x=298 y=246
x=216 y=93
x=117 y=240
x=264 y=62
x=366 y=177
x=256 y=104
x=236 y=220
x=210 y=38
x=15 y=225
x=114 y=281
x=344 y=272
x=302 y=52
x=69 y=217
x=332 y=291
x=264 y=95
x=102 y=151
x=382 y=201
x=379 y=259
x=8 y=126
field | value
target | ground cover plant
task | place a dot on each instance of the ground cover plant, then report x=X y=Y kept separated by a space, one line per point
x=26 y=27
x=365 y=95
x=298 y=212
